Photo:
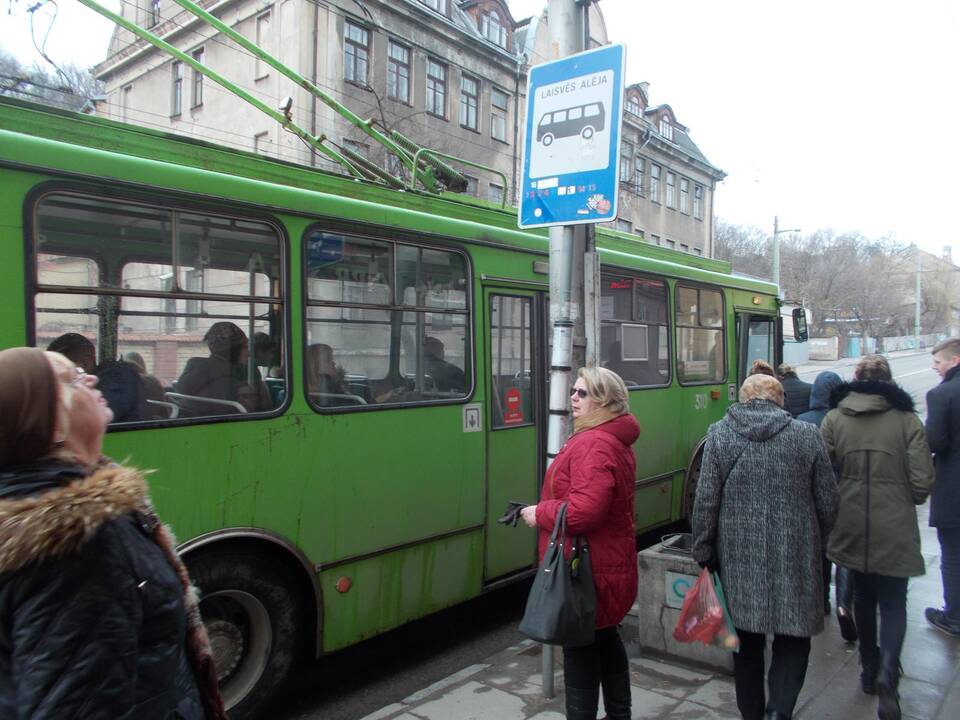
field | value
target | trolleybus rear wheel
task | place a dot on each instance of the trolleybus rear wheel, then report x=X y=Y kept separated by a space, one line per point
x=254 y=621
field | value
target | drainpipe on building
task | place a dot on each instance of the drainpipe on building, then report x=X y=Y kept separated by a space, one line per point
x=516 y=124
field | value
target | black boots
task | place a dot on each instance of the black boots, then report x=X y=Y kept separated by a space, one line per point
x=870 y=665
x=616 y=696
x=889 y=705
x=582 y=703
x=774 y=715
x=848 y=628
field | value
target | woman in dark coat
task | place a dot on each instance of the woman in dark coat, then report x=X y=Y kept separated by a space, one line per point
x=595 y=474
x=98 y=619
x=765 y=504
x=877 y=444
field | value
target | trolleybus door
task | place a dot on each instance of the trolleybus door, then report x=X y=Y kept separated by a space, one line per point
x=758 y=338
x=514 y=329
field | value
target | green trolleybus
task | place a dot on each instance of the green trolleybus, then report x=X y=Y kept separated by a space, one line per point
x=342 y=384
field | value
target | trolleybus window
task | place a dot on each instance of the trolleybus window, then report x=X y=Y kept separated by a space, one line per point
x=181 y=311
x=387 y=322
x=634 y=334
x=700 y=335
x=510 y=361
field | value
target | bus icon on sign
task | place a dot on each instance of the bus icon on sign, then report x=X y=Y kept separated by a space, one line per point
x=583 y=120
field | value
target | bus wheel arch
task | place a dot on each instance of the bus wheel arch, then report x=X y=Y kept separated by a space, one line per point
x=691 y=479
x=256 y=604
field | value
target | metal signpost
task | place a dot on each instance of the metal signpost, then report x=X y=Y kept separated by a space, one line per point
x=571 y=160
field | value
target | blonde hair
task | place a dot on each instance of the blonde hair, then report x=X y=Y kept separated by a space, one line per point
x=873 y=367
x=762 y=387
x=949 y=347
x=762 y=367
x=606 y=388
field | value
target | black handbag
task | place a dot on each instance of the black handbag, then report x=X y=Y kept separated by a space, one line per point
x=562 y=605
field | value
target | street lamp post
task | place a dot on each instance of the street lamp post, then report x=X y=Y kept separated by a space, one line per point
x=776 y=249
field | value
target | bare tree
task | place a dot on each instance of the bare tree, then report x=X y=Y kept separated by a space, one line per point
x=69 y=87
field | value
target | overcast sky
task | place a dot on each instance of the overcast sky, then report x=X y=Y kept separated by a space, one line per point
x=840 y=114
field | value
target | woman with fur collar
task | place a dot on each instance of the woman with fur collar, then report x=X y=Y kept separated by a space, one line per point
x=97 y=615
x=877 y=443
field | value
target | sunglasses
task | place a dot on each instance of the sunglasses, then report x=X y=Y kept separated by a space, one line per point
x=580 y=392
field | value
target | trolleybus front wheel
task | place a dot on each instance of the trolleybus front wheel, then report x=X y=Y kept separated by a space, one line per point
x=252 y=618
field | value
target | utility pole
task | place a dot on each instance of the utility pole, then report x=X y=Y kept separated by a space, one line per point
x=776 y=249
x=916 y=306
x=566 y=22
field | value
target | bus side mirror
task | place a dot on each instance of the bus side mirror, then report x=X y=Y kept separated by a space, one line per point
x=800 y=324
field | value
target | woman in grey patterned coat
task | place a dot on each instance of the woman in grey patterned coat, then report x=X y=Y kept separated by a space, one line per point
x=765 y=504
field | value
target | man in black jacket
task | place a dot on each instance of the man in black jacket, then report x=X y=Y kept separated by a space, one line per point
x=796 y=392
x=943 y=435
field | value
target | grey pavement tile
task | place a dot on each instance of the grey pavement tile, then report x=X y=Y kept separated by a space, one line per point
x=838 y=701
x=472 y=701
x=931 y=667
x=444 y=683
x=951 y=703
x=691 y=711
x=921 y=698
x=718 y=694
x=549 y=715
x=385 y=712
x=666 y=678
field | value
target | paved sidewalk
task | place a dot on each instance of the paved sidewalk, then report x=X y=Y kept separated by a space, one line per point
x=506 y=686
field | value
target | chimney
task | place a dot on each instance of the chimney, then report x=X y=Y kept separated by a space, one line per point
x=948 y=254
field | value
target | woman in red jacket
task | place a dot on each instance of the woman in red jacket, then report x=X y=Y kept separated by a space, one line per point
x=595 y=474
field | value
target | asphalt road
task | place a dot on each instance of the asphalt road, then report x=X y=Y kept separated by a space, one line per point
x=359 y=680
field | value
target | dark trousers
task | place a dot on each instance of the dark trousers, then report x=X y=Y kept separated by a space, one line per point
x=604 y=663
x=788 y=668
x=950 y=572
x=890 y=593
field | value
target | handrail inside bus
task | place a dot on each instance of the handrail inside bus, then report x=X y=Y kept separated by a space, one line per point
x=173 y=408
x=212 y=401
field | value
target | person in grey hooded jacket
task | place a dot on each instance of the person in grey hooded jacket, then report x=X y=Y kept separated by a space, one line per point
x=765 y=504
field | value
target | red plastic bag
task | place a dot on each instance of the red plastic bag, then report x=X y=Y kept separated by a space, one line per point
x=701 y=616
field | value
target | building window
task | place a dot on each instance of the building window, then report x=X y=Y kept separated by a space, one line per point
x=153 y=13
x=671 y=187
x=492 y=29
x=698 y=251
x=197 y=90
x=684 y=247
x=125 y=103
x=633 y=105
x=639 y=168
x=356 y=53
x=357 y=148
x=398 y=72
x=655 y=239
x=698 y=202
x=176 y=99
x=469 y=99
x=624 y=225
x=396 y=167
x=626 y=163
x=436 y=88
x=472 y=186
x=684 y=192
x=495 y=193
x=261 y=143
x=666 y=129
x=669 y=243
x=439 y=5
x=262 y=70
x=498 y=114
x=654 y=183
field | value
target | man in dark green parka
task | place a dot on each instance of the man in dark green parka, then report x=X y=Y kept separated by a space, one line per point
x=884 y=469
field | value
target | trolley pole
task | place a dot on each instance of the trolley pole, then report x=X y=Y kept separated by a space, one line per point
x=566 y=20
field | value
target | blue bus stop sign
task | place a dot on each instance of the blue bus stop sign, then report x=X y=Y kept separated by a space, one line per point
x=571 y=146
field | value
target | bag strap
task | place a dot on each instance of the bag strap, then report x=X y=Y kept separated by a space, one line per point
x=559 y=525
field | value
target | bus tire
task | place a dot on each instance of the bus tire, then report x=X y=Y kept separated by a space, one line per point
x=255 y=622
x=547 y=140
x=587 y=132
x=690 y=483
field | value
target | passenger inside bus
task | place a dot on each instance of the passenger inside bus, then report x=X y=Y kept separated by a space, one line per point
x=446 y=376
x=153 y=389
x=327 y=382
x=118 y=381
x=224 y=375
